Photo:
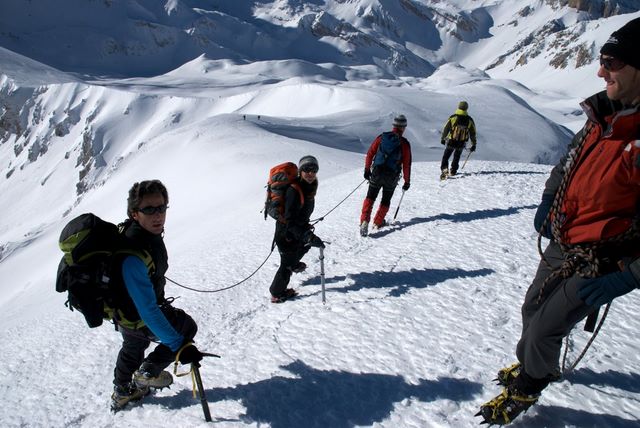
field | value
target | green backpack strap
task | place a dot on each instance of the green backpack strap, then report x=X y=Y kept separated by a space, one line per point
x=142 y=255
x=116 y=314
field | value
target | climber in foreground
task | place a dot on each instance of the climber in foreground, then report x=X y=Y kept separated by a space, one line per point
x=589 y=211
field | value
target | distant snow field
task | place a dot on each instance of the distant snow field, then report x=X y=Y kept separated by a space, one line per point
x=419 y=316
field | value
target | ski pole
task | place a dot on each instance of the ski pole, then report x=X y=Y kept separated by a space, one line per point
x=203 y=397
x=324 y=300
x=398 y=209
x=465 y=161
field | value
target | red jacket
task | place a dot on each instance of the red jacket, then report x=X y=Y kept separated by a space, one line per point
x=405 y=147
x=603 y=195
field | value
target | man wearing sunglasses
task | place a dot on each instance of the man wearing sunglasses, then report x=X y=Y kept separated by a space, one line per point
x=294 y=235
x=144 y=313
x=589 y=212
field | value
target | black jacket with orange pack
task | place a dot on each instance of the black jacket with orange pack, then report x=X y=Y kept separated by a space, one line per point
x=297 y=213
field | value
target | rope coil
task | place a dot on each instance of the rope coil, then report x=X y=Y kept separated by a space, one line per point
x=581 y=259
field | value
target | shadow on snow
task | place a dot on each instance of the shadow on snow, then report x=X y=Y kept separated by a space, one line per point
x=463 y=174
x=455 y=218
x=556 y=416
x=627 y=381
x=399 y=283
x=327 y=398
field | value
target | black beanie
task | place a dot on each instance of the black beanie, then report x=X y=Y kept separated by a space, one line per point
x=308 y=160
x=623 y=44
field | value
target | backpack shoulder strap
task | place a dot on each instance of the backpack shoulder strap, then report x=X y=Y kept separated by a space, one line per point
x=143 y=255
x=392 y=135
x=297 y=187
x=300 y=194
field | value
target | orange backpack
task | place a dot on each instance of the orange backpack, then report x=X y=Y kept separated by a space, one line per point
x=280 y=178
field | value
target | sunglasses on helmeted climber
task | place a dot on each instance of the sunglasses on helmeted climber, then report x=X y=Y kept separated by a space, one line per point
x=149 y=210
x=309 y=168
x=611 y=63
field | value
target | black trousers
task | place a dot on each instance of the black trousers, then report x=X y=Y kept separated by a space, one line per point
x=457 y=152
x=135 y=342
x=290 y=256
x=382 y=179
x=387 y=193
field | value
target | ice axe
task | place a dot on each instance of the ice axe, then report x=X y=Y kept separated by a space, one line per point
x=324 y=299
x=465 y=161
x=398 y=209
x=195 y=368
x=197 y=380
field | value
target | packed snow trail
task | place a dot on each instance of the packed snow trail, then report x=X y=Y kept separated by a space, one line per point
x=419 y=317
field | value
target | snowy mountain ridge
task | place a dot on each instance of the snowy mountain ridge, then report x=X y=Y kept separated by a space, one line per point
x=207 y=96
x=363 y=40
x=146 y=38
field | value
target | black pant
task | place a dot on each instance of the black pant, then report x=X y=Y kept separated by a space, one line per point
x=457 y=152
x=387 y=194
x=384 y=179
x=546 y=321
x=135 y=342
x=290 y=256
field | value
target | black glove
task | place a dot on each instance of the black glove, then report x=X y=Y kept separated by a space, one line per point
x=542 y=213
x=442 y=142
x=314 y=241
x=472 y=148
x=406 y=185
x=602 y=290
x=190 y=354
x=367 y=174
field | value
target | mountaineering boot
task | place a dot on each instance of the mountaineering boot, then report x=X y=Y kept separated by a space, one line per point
x=504 y=408
x=300 y=267
x=509 y=375
x=506 y=376
x=378 y=220
x=123 y=394
x=452 y=172
x=381 y=225
x=289 y=293
x=144 y=377
x=364 y=228
x=444 y=173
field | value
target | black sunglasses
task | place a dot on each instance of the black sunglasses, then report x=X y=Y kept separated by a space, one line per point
x=611 y=63
x=309 y=168
x=152 y=210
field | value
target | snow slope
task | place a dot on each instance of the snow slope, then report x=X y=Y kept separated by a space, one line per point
x=418 y=317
